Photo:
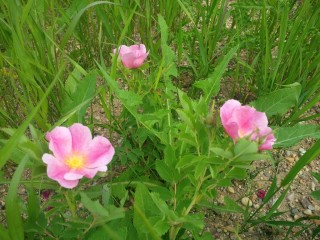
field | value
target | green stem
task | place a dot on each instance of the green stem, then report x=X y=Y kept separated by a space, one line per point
x=195 y=199
x=71 y=202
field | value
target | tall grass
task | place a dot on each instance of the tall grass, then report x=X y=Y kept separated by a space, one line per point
x=280 y=44
x=52 y=53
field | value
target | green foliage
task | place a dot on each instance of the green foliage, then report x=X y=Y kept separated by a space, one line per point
x=14 y=220
x=172 y=155
x=279 y=101
x=289 y=136
x=81 y=93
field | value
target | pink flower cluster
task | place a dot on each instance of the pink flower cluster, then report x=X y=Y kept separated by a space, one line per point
x=76 y=154
x=244 y=121
x=132 y=56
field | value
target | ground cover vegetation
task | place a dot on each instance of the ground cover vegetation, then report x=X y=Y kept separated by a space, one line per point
x=189 y=95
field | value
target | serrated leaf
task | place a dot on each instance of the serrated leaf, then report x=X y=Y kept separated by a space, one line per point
x=279 y=101
x=188 y=160
x=164 y=171
x=94 y=206
x=221 y=152
x=106 y=213
x=185 y=117
x=237 y=173
x=289 y=136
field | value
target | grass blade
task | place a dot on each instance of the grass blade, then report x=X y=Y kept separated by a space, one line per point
x=14 y=220
x=11 y=144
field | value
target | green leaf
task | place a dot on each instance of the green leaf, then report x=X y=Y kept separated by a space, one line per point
x=79 y=100
x=221 y=152
x=316 y=194
x=107 y=214
x=211 y=85
x=186 y=117
x=94 y=207
x=316 y=176
x=164 y=171
x=244 y=146
x=14 y=220
x=188 y=160
x=237 y=173
x=144 y=208
x=168 y=56
x=73 y=81
x=4 y=234
x=289 y=136
x=279 y=101
x=284 y=223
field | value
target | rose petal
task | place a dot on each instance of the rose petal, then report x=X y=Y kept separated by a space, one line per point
x=60 y=142
x=100 y=152
x=81 y=137
x=73 y=176
x=268 y=143
x=68 y=183
x=245 y=118
x=227 y=109
x=123 y=49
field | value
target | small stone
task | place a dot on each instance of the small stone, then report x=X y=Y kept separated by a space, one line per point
x=290 y=159
x=288 y=153
x=256 y=206
x=290 y=197
x=316 y=207
x=230 y=190
x=267 y=174
x=305 y=202
x=307 y=212
x=302 y=151
x=313 y=186
x=296 y=217
x=294 y=212
x=289 y=219
x=303 y=176
x=311 y=207
x=220 y=199
x=246 y=201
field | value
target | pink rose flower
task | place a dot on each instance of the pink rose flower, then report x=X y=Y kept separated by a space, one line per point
x=76 y=154
x=132 y=56
x=244 y=121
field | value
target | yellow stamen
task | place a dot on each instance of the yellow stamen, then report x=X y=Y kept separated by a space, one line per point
x=241 y=133
x=75 y=161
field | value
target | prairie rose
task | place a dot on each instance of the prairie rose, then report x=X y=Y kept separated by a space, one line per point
x=132 y=56
x=244 y=121
x=76 y=154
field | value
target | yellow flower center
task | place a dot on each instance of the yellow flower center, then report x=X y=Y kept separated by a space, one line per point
x=75 y=161
x=241 y=133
